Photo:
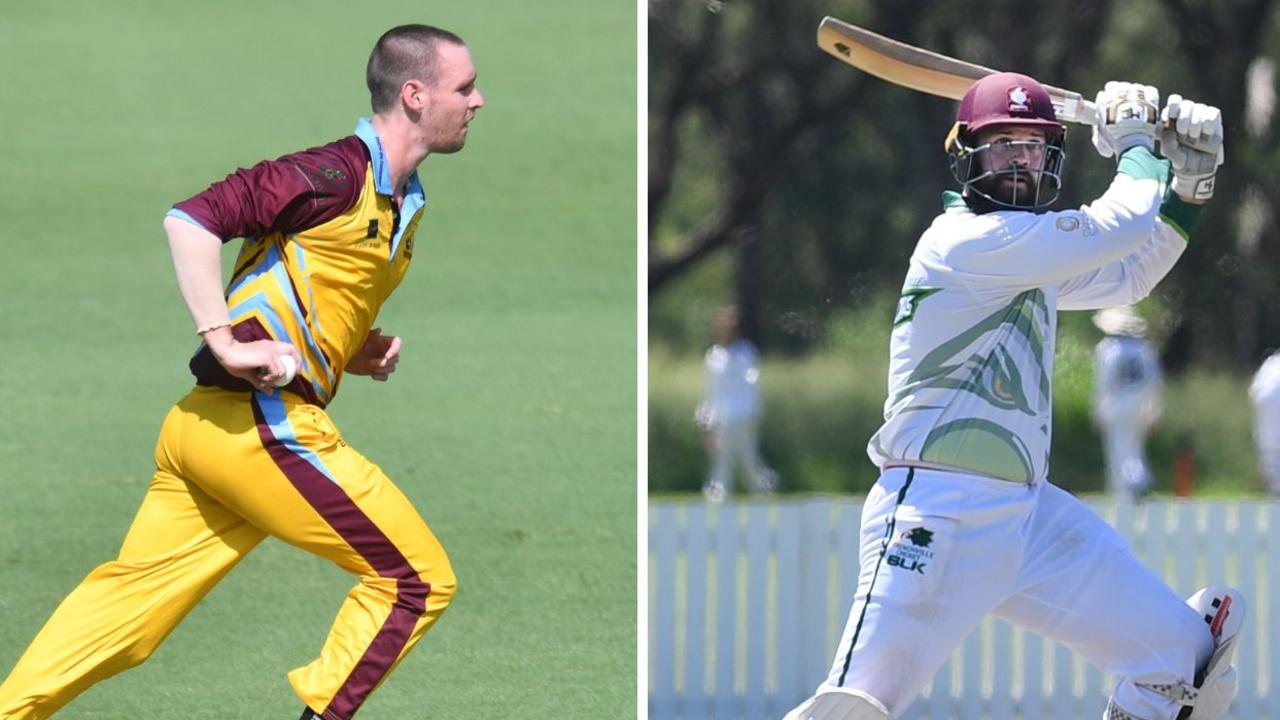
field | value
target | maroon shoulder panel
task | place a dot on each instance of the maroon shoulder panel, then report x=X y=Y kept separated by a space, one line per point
x=288 y=194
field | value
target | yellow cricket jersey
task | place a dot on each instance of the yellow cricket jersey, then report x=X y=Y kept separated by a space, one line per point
x=325 y=244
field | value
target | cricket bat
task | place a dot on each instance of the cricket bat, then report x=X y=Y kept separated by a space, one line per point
x=925 y=71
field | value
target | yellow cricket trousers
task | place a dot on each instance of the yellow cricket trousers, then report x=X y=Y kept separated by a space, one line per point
x=232 y=468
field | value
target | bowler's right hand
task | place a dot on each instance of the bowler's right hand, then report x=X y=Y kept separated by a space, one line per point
x=257 y=362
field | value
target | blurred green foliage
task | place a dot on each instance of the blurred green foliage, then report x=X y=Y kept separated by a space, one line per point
x=795 y=186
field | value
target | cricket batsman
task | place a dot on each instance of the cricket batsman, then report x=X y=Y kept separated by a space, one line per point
x=250 y=452
x=963 y=520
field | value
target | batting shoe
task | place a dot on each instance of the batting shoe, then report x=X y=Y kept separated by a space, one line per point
x=309 y=714
x=1223 y=610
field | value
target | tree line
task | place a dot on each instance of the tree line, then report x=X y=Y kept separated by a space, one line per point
x=817 y=179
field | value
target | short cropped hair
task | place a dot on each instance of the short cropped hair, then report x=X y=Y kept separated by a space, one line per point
x=403 y=53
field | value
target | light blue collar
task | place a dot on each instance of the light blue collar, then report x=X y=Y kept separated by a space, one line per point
x=414 y=197
x=381 y=169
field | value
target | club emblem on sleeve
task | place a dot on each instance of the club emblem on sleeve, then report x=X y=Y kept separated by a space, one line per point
x=322 y=176
x=1019 y=100
x=1067 y=223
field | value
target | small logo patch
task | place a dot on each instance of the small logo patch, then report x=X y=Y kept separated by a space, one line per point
x=322 y=176
x=920 y=537
x=373 y=229
x=1220 y=617
x=1019 y=100
x=1067 y=223
x=910 y=552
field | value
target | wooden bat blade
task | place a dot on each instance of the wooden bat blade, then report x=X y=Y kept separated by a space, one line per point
x=926 y=71
x=897 y=62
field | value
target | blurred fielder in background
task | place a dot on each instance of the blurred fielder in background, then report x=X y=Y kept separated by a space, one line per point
x=1264 y=391
x=963 y=520
x=729 y=413
x=329 y=233
x=1127 y=384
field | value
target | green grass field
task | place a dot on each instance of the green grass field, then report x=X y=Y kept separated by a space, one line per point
x=511 y=421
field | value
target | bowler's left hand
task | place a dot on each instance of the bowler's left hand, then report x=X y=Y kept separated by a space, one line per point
x=378 y=356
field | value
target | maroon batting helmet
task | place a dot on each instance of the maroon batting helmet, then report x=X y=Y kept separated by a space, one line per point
x=1004 y=100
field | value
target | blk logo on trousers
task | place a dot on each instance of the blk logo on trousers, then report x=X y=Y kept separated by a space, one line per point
x=906 y=564
x=912 y=550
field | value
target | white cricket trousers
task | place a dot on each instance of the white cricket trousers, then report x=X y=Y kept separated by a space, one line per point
x=737 y=443
x=1123 y=443
x=940 y=550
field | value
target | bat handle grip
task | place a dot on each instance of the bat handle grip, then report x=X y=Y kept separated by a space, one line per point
x=1079 y=110
x=1082 y=111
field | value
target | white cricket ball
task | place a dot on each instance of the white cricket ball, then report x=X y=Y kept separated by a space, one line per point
x=290 y=369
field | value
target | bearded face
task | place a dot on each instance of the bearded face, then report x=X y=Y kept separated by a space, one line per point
x=1011 y=166
x=1011 y=160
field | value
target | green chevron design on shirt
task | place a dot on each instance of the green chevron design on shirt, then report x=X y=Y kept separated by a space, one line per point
x=909 y=301
x=996 y=377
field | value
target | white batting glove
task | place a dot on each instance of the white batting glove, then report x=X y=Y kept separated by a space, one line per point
x=1191 y=138
x=1128 y=114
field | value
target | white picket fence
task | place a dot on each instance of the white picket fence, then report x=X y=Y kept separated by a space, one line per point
x=747 y=601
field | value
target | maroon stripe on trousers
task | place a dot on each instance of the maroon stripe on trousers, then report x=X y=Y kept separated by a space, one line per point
x=350 y=522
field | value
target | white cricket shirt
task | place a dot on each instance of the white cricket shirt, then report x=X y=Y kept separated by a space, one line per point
x=971 y=355
x=732 y=390
x=1127 y=380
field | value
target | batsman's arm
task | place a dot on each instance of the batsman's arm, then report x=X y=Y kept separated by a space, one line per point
x=1127 y=280
x=1035 y=250
x=1132 y=277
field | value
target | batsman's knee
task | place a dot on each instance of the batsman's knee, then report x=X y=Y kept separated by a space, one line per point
x=1210 y=701
x=1115 y=712
x=1214 y=699
x=1208 y=695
